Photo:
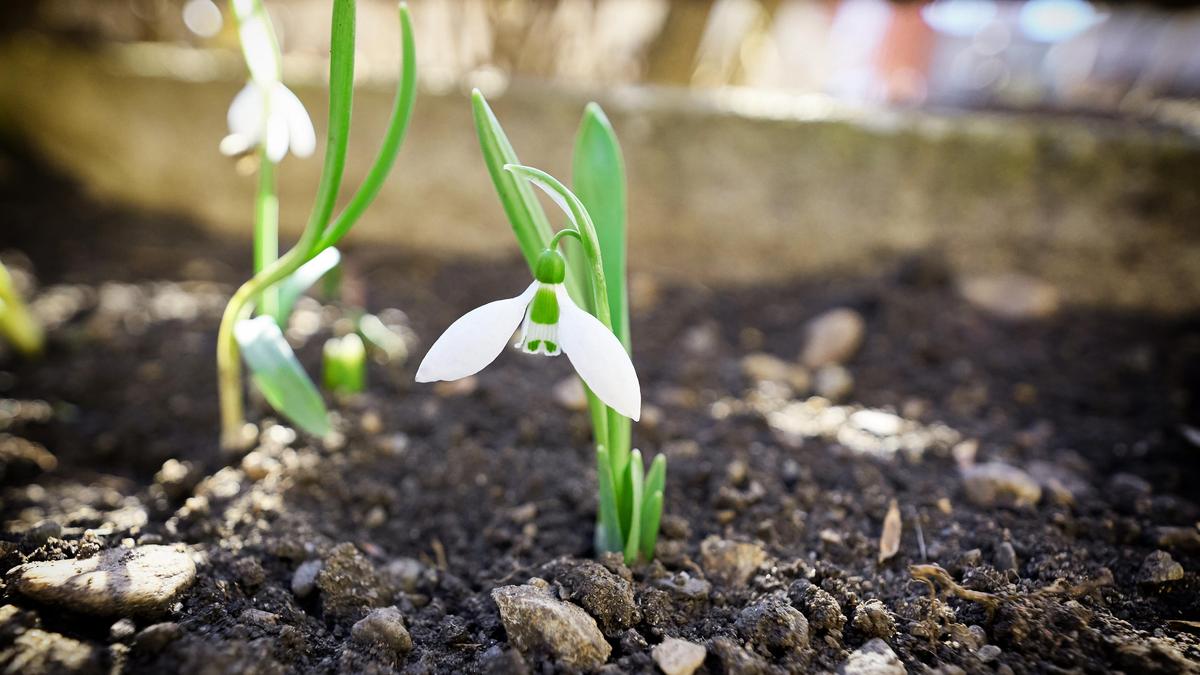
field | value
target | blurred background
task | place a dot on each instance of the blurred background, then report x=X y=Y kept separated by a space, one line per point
x=1053 y=138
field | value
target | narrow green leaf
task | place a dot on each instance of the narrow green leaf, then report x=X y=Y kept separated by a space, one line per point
x=524 y=211
x=393 y=138
x=341 y=103
x=651 y=516
x=656 y=479
x=633 y=537
x=528 y=220
x=598 y=176
x=17 y=324
x=609 y=531
x=291 y=288
x=279 y=376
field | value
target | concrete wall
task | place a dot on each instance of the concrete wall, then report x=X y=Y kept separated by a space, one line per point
x=725 y=188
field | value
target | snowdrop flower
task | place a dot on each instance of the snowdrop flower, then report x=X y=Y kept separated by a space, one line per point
x=551 y=324
x=269 y=114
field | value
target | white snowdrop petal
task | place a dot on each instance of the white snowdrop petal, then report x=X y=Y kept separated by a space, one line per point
x=246 y=112
x=475 y=340
x=302 y=138
x=599 y=358
x=235 y=144
x=277 y=134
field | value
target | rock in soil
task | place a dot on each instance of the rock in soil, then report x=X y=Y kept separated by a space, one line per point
x=141 y=580
x=679 y=657
x=873 y=619
x=1010 y=296
x=536 y=621
x=833 y=338
x=834 y=382
x=348 y=583
x=822 y=609
x=1159 y=568
x=999 y=484
x=154 y=638
x=873 y=658
x=606 y=596
x=384 y=626
x=39 y=652
x=730 y=562
x=773 y=623
x=304 y=579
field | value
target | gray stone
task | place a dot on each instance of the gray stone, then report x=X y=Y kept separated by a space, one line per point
x=1000 y=484
x=873 y=658
x=1006 y=557
x=1159 y=568
x=304 y=579
x=988 y=653
x=730 y=562
x=773 y=623
x=678 y=657
x=115 y=581
x=1011 y=296
x=39 y=652
x=536 y=621
x=833 y=382
x=833 y=338
x=153 y=639
x=383 y=626
x=122 y=630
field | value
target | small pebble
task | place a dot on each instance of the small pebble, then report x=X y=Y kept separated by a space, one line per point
x=1006 y=557
x=833 y=338
x=1159 y=568
x=383 y=626
x=999 y=484
x=679 y=657
x=304 y=579
x=834 y=382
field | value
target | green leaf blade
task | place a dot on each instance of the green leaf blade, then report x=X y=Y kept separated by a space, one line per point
x=291 y=288
x=278 y=374
x=633 y=536
x=598 y=176
x=608 y=535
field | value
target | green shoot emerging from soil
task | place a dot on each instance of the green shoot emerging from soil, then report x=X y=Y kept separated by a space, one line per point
x=279 y=280
x=578 y=306
x=17 y=325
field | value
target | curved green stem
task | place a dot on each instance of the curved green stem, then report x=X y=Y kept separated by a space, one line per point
x=266 y=227
x=565 y=232
x=341 y=92
x=406 y=94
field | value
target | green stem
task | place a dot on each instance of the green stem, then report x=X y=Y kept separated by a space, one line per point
x=266 y=229
x=17 y=325
x=565 y=232
x=341 y=93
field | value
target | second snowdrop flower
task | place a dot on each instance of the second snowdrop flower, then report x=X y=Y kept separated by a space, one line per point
x=268 y=114
x=550 y=324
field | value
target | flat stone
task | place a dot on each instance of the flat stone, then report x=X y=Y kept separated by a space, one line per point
x=39 y=652
x=384 y=626
x=1011 y=296
x=833 y=338
x=535 y=621
x=678 y=657
x=833 y=382
x=607 y=597
x=115 y=581
x=1000 y=484
x=1159 y=568
x=873 y=658
x=730 y=562
x=153 y=639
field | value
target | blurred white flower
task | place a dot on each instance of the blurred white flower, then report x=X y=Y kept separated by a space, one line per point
x=269 y=115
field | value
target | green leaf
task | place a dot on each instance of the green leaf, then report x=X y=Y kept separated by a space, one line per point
x=651 y=515
x=529 y=222
x=598 y=176
x=279 y=376
x=608 y=534
x=656 y=479
x=393 y=138
x=633 y=536
x=17 y=325
x=291 y=288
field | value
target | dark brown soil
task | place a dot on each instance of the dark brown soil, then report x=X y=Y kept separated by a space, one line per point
x=445 y=493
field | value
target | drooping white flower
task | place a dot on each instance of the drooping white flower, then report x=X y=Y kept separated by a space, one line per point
x=269 y=114
x=551 y=324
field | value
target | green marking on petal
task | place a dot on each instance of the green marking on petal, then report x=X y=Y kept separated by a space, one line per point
x=545 y=306
x=551 y=348
x=532 y=345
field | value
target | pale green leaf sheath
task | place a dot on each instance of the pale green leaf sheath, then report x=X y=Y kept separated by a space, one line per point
x=550 y=324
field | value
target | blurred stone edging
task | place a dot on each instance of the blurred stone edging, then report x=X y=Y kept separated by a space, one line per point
x=1106 y=211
